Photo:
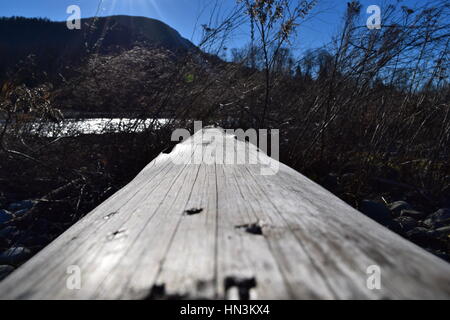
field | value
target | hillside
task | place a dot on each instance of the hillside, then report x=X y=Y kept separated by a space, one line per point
x=54 y=46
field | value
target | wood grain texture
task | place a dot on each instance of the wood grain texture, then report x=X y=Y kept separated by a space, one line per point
x=209 y=230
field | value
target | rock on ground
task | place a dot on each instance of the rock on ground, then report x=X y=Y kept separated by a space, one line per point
x=5 y=216
x=418 y=215
x=398 y=206
x=440 y=218
x=14 y=256
x=406 y=223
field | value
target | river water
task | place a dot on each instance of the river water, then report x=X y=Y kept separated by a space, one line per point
x=74 y=127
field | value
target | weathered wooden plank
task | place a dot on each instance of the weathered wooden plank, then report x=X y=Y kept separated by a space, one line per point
x=215 y=230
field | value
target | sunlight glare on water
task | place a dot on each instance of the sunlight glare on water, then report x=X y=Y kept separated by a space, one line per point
x=95 y=126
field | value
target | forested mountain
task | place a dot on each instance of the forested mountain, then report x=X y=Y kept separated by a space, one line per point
x=52 y=45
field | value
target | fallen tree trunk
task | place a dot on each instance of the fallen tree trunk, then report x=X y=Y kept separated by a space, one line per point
x=213 y=230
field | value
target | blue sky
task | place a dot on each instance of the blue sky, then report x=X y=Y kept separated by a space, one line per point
x=182 y=14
